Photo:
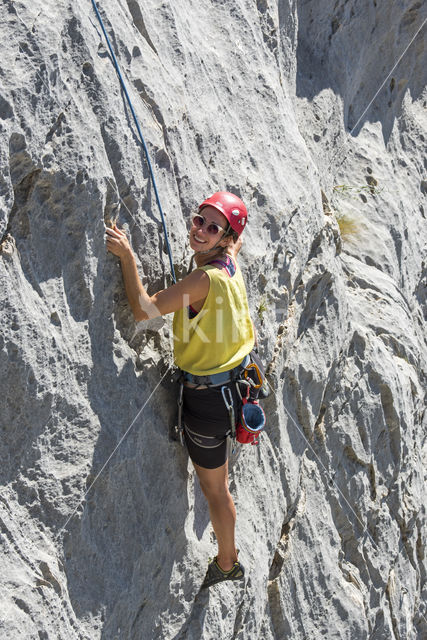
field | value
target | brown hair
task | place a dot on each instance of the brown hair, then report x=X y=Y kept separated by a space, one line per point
x=231 y=233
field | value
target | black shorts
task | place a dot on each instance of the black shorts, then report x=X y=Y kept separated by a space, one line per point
x=205 y=413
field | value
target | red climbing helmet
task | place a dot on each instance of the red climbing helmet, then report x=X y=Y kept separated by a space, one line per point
x=231 y=207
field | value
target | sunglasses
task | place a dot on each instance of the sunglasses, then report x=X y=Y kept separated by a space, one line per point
x=212 y=228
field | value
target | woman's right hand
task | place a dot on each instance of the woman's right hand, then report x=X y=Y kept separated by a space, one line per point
x=117 y=242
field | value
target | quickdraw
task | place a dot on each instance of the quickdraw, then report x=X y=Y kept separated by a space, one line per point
x=177 y=431
x=228 y=401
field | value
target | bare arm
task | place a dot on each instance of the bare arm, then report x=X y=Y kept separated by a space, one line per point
x=191 y=289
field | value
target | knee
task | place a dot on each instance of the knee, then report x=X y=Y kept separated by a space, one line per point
x=214 y=491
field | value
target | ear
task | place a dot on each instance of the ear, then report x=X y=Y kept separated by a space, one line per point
x=226 y=242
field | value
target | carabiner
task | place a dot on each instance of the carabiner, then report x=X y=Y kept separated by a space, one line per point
x=253 y=365
x=228 y=403
x=230 y=408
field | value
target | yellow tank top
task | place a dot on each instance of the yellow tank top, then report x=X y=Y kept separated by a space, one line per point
x=221 y=334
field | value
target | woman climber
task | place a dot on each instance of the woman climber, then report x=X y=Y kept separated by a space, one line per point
x=213 y=336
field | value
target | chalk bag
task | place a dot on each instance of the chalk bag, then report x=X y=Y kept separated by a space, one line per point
x=252 y=422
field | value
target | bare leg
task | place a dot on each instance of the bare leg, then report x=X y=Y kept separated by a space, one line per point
x=214 y=484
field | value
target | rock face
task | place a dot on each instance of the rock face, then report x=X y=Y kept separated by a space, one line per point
x=315 y=115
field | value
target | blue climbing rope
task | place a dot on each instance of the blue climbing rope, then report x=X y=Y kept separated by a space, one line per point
x=141 y=137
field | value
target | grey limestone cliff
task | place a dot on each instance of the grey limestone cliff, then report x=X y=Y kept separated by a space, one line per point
x=314 y=112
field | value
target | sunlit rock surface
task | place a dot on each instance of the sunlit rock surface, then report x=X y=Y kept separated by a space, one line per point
x=314 y=113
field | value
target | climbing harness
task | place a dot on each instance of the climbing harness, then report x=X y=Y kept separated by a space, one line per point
x=215 y=380
x=244 y=428
x=206 y=442
x=141 y=137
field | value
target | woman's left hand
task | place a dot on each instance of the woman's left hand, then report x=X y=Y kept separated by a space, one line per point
x=234 y=247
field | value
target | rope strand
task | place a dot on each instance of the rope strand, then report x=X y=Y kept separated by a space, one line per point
x=141 y=137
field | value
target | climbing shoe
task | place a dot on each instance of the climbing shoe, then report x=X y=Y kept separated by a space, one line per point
x=215 y=574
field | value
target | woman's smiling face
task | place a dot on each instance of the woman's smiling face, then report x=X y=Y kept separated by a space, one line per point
x=200 y=238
